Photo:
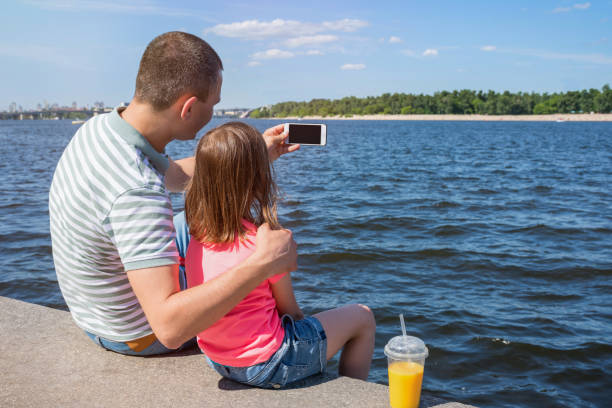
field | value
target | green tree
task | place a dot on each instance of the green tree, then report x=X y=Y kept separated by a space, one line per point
x=603 y=101
x=464 y=101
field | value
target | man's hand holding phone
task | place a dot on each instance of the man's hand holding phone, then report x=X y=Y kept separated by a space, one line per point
x=275 y=140
x=287 y=137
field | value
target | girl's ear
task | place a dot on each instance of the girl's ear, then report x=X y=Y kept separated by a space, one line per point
x=187 y=108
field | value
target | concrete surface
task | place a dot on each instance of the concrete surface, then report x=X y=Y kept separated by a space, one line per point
x=47 y=361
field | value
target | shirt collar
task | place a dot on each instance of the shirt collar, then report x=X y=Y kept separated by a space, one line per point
x=134 y=138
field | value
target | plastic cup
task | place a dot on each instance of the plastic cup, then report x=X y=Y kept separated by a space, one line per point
x=406 y=356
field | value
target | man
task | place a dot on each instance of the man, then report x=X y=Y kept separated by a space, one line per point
x=111 y=221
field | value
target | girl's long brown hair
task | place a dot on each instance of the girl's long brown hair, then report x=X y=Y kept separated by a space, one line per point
x=232 y=181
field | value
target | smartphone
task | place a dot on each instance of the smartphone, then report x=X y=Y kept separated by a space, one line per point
x=306 y=134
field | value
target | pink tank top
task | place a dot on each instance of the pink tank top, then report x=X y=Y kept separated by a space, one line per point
x=251 y=332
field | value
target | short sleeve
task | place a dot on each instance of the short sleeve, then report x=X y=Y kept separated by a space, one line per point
x=140 y=224
x=276 y=278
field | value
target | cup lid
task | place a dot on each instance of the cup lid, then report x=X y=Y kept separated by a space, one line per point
x=406 y=347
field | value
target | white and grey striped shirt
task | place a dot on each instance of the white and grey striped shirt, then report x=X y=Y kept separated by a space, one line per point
x=109 y=213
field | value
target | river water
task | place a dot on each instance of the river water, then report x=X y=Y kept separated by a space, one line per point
x=494 y=239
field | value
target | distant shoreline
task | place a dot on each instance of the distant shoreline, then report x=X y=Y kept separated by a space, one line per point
x=561 y=117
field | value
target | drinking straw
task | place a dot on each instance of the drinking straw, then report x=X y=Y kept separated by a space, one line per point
x=403 y=325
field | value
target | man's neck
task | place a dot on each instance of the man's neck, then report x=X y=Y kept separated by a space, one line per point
x=152 y=125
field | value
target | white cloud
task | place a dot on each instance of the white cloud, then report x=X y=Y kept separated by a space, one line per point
x=255 y=29
x=430 y=52
x=488 y=48
x=581 y=58
x=409 y=53
x=253 y=63
x=589 y=58
x=353 y=67
x=45 y=54
x=272 y=54
x=310 y=40
x=394 y=40
x=314 y=52
x=582 y=6
x=577 y=6
x=347 y=25
x=113 y=6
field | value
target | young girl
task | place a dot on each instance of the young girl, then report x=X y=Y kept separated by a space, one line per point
x=266 y=340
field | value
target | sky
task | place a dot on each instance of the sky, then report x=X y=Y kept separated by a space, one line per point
x=65 y=51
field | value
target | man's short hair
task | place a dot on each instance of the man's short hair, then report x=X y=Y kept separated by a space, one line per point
x=174 y=64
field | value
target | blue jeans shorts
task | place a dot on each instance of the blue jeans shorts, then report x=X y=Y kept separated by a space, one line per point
x=122 y=348
x=303 y=353
x=182 y=242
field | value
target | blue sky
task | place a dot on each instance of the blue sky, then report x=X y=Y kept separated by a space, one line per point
x=88 y=50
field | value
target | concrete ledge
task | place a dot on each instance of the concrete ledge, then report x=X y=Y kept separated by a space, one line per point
x=47 y=361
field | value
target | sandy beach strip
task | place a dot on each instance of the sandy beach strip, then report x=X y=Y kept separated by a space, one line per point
x=561 y=117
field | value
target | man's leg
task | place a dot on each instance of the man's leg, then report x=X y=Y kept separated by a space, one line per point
x=182 y=242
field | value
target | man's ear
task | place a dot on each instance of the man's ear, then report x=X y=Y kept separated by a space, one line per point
x=186 y=109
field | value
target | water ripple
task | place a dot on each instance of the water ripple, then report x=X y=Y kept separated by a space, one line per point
x=493 y=239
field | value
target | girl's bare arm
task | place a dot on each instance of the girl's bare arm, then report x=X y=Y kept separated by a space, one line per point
x=285 y=298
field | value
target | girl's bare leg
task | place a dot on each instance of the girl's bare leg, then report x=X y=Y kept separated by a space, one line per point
x=354 y=327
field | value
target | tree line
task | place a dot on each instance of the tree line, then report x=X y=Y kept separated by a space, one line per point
x=463 y=102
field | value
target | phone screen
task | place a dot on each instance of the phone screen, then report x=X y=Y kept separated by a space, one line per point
x=305 y=134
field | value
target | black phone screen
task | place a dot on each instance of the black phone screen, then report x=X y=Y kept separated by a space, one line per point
x=307 y=134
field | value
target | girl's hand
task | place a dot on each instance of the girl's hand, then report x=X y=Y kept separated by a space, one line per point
x=275 y=140
x=275 y=250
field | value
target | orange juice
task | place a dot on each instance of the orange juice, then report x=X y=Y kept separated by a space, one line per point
x=405 y=379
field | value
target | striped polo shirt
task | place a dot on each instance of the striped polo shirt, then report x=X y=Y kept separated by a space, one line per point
x=109 y=213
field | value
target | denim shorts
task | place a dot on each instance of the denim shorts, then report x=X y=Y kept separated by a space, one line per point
x=303 y=353
x=155 y=348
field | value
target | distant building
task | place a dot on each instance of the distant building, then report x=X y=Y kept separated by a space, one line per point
x=230 y=113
